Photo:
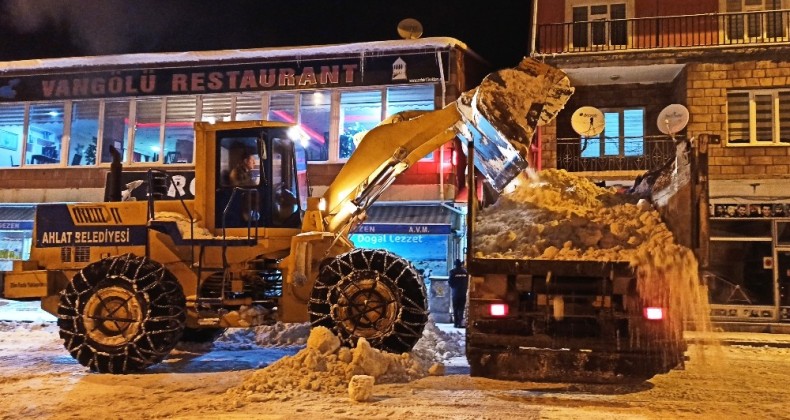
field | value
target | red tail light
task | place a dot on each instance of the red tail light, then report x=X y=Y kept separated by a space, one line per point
x=498 y=309
x=654 y=313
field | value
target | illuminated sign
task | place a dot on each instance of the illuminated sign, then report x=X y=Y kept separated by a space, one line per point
x=424 y=229
x=16 y=225
x=257 y=75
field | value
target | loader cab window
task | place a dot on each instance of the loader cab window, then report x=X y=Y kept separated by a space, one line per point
x=240 y=162
x=258 y=179
x=285 y=188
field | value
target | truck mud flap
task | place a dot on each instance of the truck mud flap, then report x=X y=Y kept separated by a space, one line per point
x=548 y=365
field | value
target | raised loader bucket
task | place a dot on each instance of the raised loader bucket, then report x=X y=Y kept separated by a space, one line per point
x=501 y=115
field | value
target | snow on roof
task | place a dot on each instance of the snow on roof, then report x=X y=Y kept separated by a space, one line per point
x=239 y=54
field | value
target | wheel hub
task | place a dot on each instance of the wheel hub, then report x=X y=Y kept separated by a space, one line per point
x=367 y=305
x=112 y=316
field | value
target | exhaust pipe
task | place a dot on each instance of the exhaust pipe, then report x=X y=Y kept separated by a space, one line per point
x=113 y=190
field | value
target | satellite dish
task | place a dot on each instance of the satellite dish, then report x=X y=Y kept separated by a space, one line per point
x=673 y=118
x=588 y=121
x=410 y=28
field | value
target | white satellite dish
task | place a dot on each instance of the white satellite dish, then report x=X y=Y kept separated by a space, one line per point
x=410 y=28
x=672 y=119
x=588 y=121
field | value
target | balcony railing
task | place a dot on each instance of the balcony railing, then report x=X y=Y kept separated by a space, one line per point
x=614 y=154
x=687 y=31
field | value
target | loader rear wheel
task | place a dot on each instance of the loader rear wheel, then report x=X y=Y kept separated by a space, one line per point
x=121 y=314
x=372 y=294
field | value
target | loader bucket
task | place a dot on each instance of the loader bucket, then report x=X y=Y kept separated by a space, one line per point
x=501 y=116
x=497 y=160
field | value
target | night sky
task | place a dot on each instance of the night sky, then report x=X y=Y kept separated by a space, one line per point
x=499 y=31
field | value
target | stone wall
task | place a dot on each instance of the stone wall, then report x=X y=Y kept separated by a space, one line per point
x=708 y=84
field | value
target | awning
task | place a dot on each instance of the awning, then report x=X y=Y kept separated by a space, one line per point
x=403 y=218
x=16 y=217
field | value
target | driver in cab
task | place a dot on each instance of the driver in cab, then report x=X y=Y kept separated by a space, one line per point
x=243 y=174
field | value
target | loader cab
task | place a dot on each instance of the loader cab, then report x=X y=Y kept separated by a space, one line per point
x=256 y=175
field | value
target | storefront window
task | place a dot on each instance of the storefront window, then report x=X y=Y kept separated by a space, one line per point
x=248 y=107
x=12 y=123
x=410 y=98
x=314 y=118
x=16 y=232
x=84 y=133
x=282 y=107
x=783 y=234
x=359 y=113
x=741 y=272
x=216 y=108
x=44 y=134
x=179 y=131
x=115 y=131
x=147 y=147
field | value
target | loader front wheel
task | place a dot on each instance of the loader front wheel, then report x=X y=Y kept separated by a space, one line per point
x=121 y=314
x=372 y=294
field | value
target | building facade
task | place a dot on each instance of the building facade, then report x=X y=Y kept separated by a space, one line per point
x=59 y=118
x=728 y=63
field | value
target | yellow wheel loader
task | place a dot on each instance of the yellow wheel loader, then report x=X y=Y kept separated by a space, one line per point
x=128 y=279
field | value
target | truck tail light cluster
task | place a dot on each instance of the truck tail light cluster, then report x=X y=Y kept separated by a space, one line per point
x=654 y=313
x=498 y=310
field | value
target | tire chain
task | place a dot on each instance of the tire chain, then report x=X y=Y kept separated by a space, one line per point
x=412 y=314
x=163 y=320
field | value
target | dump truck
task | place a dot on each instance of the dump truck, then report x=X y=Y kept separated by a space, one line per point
x=591 y=319
x=127 y=280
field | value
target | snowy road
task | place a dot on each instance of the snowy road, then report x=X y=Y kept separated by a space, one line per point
x=39 y=380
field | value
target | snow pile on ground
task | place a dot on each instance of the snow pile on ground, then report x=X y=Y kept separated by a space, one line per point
x=25 y=330
x=439 y=346
x=326 y=366
x=276 y=335
x=435 y=346
x=246 y=315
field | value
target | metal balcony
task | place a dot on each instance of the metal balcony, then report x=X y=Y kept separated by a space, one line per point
x=686 y=31
x=614 y=154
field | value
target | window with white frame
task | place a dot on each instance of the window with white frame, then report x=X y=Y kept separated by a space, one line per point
x=753 y=19
x=758 y=117
x=623 y=135
x=599 y=23
x=360 y=111
x=159 y=130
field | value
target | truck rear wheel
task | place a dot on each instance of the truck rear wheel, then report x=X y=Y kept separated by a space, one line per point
x=121 y=314
x=372 y=294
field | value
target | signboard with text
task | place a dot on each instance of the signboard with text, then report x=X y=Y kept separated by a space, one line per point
x=57 y=227
x=255 y=75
